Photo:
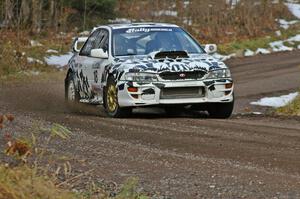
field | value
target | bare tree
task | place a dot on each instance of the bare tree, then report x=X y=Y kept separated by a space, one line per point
x=36 y=15
x=9 y=12
x=25 y=12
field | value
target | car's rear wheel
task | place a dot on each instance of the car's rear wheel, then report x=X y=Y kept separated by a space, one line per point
x=72 y=96
x=220 y=110
x=111 y=104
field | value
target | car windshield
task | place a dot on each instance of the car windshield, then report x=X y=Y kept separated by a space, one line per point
x=145 y=40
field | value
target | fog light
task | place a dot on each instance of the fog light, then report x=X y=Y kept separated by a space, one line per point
x=132 y=89
x=229 y=85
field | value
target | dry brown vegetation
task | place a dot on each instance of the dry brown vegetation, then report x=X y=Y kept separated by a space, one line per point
x=16 y=49
x=211 y=20
x=25 y=176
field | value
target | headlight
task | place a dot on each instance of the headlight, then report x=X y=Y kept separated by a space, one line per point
x=220 y=73
x=141 y=77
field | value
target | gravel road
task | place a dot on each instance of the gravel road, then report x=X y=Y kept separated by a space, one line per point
x=191 y=156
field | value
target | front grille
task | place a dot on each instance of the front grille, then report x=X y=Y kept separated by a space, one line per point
x=181 y=92
x=194 y=75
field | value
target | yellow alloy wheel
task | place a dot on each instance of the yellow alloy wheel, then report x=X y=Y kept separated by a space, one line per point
x=112 y=103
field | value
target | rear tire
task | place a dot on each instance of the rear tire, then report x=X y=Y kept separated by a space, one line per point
x=220 y=110
x=72 y=95
x=110 y=100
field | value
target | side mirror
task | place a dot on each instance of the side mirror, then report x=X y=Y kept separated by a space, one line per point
x=210 y=48
x=77 y=42
x=99 y=53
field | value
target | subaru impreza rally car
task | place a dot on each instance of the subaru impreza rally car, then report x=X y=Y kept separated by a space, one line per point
x=125 y=66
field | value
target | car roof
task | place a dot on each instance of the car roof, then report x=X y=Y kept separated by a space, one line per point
x=137 y=25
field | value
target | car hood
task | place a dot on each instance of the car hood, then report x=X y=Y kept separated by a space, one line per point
x=201 y=62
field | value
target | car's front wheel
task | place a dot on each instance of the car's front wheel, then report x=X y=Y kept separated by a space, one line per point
x=220 y=110
x=111 y=104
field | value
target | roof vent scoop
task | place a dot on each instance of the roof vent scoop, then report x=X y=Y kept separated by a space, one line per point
x=171 y=54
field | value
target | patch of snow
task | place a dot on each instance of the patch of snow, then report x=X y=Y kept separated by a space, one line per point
x=120 y=20
x=223 y=57
x=286 y=24
x=85 y=33
x=295 y=38
x=262 y=51
x=298 y=46
x=51 y=51
x=186 y=3
x=31 y=60
x=30 y=73
x=58 y=60
x=278 y=46
x=232 y=3
x=35 y=73
x=165 y=13
x=278 y=33
x=294 y=8
x=257 y=113
x=188 y=21
x=276 y=102
x=248 y=53
x=35 y=43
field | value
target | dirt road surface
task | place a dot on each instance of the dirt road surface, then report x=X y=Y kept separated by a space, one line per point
x=247 y=156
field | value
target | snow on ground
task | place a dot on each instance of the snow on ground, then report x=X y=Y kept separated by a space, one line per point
x=276 y=101
x=294 y=9
x=34 y=43
x=58 y=60
x=51 y=51
x=286 y=24
x=223 y=57
x=278 y=46
x=262 y=51
x=249 y=53
x=295 y=38
x=31 y=60
x=170 y=13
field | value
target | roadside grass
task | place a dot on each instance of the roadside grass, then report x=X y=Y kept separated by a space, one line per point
x=260 y=42
x=292 y=109
x=26 y=175
x=24 y=182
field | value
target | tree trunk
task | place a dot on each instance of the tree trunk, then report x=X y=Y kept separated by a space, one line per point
x=25 y=12
x=36 y=16
x=52 y=13
x=9 y=12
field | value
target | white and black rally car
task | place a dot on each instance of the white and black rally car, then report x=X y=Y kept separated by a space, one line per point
x=124 y=66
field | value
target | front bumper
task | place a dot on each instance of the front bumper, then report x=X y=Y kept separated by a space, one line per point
x=132 y=94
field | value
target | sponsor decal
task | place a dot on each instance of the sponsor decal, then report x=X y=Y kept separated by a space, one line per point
x=135 y=30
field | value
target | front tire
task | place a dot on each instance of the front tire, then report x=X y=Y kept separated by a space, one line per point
x=220 y=110
x=111 y=104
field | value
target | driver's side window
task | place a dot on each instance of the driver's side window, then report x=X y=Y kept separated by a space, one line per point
x=90 y=43
x=98 y=39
